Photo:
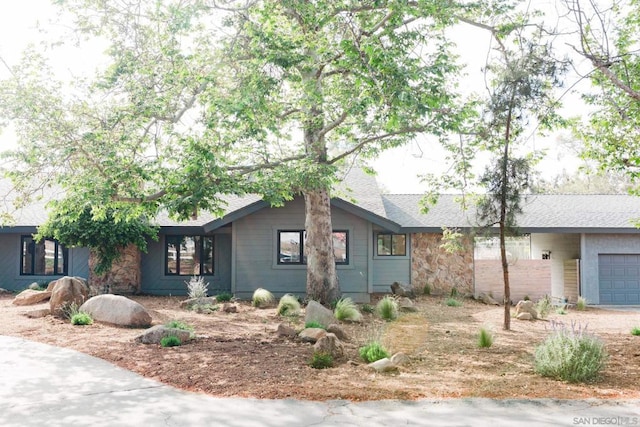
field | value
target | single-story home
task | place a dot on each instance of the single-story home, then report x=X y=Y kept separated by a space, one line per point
x=572 y=245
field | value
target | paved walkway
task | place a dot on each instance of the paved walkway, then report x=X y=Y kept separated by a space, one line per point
x=41 y=385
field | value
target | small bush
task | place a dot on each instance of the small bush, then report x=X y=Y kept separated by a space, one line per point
x=581 y=304
x=262 y=298
x=288 y=306
x=346 y=309
x=454 y=292
x=426 y=289
x=314 y=324
x=544 y=306
x=196 y=287
x=561 y=310
x=81 y=319
x=69 y=310
x=635 y=331
x=452 y=302
x=224 y=297
x=372 y=352
x=205 y=308
x=170 y=341
x=526 y=298
x=321 y=360
x=485 y=338
x=571 y=355
x=387 y=308
x=367 y=308
x=177 y=324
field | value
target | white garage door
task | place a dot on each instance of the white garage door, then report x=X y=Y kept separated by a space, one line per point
x=619 y=279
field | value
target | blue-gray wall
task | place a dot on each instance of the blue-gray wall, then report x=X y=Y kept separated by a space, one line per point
x=155 y=282
x=389 y=269
x=255 y=253
x=10 y=252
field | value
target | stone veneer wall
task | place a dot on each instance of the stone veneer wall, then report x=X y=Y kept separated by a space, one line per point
x=441 y=270
x=123 y=278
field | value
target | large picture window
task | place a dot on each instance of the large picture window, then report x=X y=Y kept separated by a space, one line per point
x=44 y=258
x=291 y=248
x=391 y=244
x=189 y=255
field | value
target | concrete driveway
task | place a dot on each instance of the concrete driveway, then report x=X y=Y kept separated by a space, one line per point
x=41 y=385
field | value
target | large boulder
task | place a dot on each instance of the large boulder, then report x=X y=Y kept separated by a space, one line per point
x=316 y=312
x=67 y=291
x=487 y=299
x=117 y=310
x=31 y=297
x=526 y=306
x=155 y=334
x=402 y=290
x=338 y=332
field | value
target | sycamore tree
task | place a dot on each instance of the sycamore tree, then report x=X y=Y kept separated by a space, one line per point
x=202 y=98
x=608 y=37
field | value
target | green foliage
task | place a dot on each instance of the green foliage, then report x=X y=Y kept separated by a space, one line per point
x=426 y=290
x=485 y=338
x=262 y=298
x=581 y=304
x=571 y=355
x=387 y=308
x=544 y=306
x=561 y=310
x=635 y=331
x=69 y=309
x=367 y=308
x=373 y=351
x=346 y=309
x=452 y=302
x=314 y=324
x=224 y=297
x=178 y=324
x=81 y=318
x=288 y=306
x=170 y=341
x=454 y=292
x=321 y=360
x=452 y=240
x=196 y=287
x=205 y=308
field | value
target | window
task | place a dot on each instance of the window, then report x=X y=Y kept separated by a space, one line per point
x=189 y=255
x=391 y=244
x=44 y=258
x=291 y=248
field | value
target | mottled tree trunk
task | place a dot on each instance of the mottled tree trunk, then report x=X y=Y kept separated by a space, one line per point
x=322 y=279
x=124 y=276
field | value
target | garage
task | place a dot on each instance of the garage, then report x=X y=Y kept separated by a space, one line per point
x=619 y=279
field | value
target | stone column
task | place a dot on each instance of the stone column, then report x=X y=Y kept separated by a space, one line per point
x=124 y=277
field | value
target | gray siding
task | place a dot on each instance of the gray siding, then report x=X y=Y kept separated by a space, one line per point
x=563 y=247
x=389 y=269
x=10 y=252
x=596 y=244
x=255 y=246
x=155 y=282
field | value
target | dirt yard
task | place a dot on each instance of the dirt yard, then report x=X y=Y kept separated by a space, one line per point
x=239 y=354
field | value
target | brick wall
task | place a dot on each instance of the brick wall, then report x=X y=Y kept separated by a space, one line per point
x=528 y=277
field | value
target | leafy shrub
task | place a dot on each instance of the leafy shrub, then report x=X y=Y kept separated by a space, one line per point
x=224 y=297
x=452 y=302
x=372 y=352
x=571 y=355
x=205 y=308
x=81 y=318
x=544 y=306
x=526 y=298
x=426 y=290
x=170 y=341
x=288 y=306
x=346 y=309
x=196 y=287
x=262 y=298
x=70 y=309
x=177 y=324
x=367 y=308
x=454 y=293
x=561 y=310
x=581 y=304
x=485 y=338
x=321 y=360
x=635 y=331
x=387 y=308
x=314 y=324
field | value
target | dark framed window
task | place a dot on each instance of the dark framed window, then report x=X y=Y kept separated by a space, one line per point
x=291 y=250
x=44 y=258
x=389 y=244
x=189 y=255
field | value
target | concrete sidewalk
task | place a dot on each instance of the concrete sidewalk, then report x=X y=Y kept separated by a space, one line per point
x=41 y=385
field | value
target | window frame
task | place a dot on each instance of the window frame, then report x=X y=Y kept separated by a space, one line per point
x=301 y=255
x=58 y=250
x=173 y=238
x=391 y=245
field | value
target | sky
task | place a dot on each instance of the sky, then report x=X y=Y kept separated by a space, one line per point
x=398 y=169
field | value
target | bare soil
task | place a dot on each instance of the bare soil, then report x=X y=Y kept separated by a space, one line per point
x=240 y=354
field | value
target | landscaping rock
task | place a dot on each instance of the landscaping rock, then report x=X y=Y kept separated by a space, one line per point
x=526 y=307
x=406 y=305
x=37 y=314
x=330 y=344
x=229 y=308
x=192 y=302
x=3 y=291
x=338 y=332
x=316 y=312
x=400 y=359
x=402 y=290
x=487 y=299
x=34 y=286
x=31 y=297
x=66 y=291
x=524 y=316
x=155 y=334
x=312 y=334
x=383 y=365
x=285 y=330
x=117 y=310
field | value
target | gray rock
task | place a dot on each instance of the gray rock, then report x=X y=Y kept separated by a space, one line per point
x=406 y=305
x=383 y=365
x=526 y=307
x=400 y=359
x=117 y=310
x=229 y=308
x=487 y=299
x=338 y=332
x=37 y=314
x=316 y=312
x=31 y=297
x=155 y=334
x=524 y=316
x=330 y=344
x=67 y=290
x=402 y=290
x=312 y=334
x=285 y=330
x=188 y=304
x=3 y=291
x=34 y=286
